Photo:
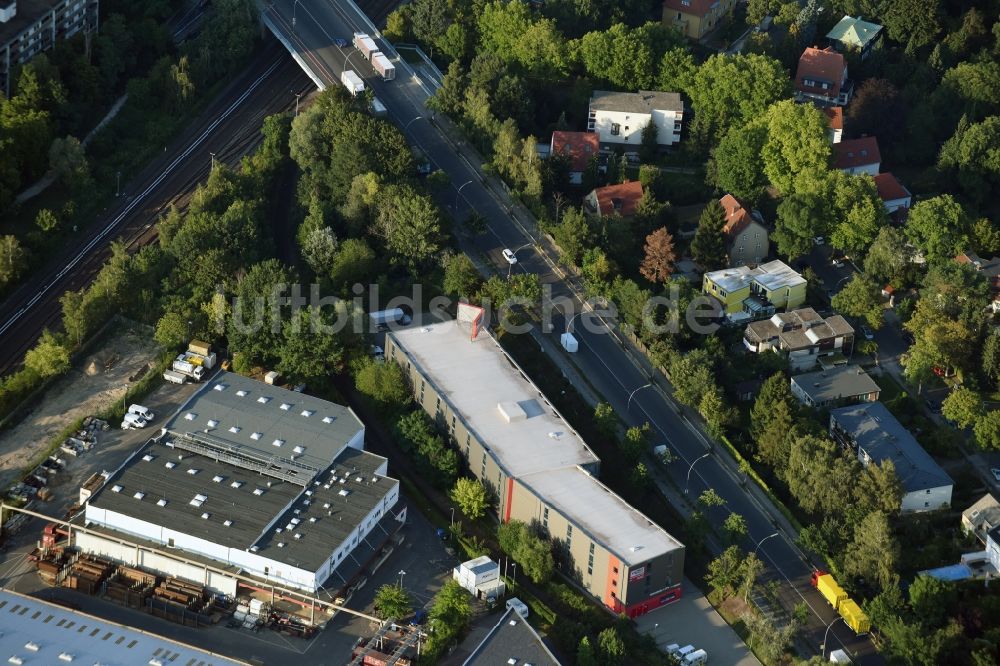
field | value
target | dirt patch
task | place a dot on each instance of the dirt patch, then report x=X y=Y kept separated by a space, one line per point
x=90 y=386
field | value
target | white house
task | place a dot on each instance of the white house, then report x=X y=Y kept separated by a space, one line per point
x=618 y=118
x=874 y=434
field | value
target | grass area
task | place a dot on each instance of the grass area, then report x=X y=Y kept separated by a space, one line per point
x=890 y=387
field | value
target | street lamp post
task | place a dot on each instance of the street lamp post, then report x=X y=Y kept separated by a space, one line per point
x=452 y=516
x=687 y=482
x=510 y=266
x=401 y=574
x=569 y=324
x=409 y=122
x=297 y=95
x=213 y=161
x=118 y=185
x=458 y=192
x=769 y=536
x=628 y=405
x=513 y=577
x=822 y=646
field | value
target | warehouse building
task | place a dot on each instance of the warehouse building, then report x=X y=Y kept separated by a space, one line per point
x=38 y=632
x=539 y=469
x=28 y=27
x=259 y=479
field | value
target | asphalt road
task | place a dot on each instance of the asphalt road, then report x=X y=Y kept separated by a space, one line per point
x=229 y=127
x=601 y=358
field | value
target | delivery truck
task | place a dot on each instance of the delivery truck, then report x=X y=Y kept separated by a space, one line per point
x=352 y=82
x=195 y=372
x=382 y=65
x=382 y=318
x=365 y=44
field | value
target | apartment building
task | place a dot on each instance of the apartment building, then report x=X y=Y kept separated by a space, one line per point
x=539 y=470
x=618 y=118
x=28 y=27
x=747 y=294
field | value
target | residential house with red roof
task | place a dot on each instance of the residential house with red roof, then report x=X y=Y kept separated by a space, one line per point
x=696 y=18
x=988 y=267
x=856 y=156
x=621 y=199
x=747 y=239
x=822 y=78
x=579 y=148
x=835 y=119
x=893 y=194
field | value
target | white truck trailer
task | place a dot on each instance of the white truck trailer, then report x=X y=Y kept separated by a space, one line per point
x=352 y=82
x=175 y=377
x=365 y=44
x=195 y=372
x=382 y=65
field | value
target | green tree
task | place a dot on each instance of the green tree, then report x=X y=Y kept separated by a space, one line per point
x=735 y=527
x=677 y=70
x=585 y=653
x=310 y=350
x=48 y=357
x=352 y=263
x=724 y=571
x=963 y=407
x=861 y=297
x=471 y=497
x=972 y=157
x=767 y=640
x=717 y=414
x=383 y=382
x=991 y=357
x=752 y=569
x=873 y=552
x=710 y=498
x=859 y=213
x=937 y=226
x=46 y=220
x=888 y=255
x=13 y=260
x=410 y=224
x=635 y=443
x=932 y=599
x=877 y=109
x=914 y=23
x=650 y=143
x=460 y=276
x=987 y=431
x=797 y=151
x=736 y=165
x=801 y=217
x=67 y=160
x=693 y=376
x=606 y=420
x=533 y=553
x=172 y=329
x=319 y=248
x=730 y=90
x=817 y=472
x=572 y=235
x=611 y=647
x=709 y=245
x=392 y=602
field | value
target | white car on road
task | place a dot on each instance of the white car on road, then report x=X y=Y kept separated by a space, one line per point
x=509 y=255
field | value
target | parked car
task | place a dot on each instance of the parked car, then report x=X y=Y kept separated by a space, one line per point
x=837 y=263
x=867 y=332
x=341 y=42
x=995 y=471
x=509 y=255
x=819 y=240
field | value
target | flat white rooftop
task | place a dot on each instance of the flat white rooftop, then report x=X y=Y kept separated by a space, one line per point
x=606 y=517
x=33 y=631
x=494 y=398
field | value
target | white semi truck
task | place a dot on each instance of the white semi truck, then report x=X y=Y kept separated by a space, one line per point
x=352 y=82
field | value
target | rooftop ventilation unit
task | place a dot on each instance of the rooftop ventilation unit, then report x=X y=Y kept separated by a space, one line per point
x=256 y=435
x=212 y=423
x=139 y=495
x=278 y=442
x=220 y=387
x=344 y=492
x=190 y=416
x=236 y=484
x=308 y=412
x=205 y=516
x=116 y=489
x=263 y=399
x=299 y=449
x=147 y=458
x=285 y=406
x=161 y=502
x=234 y=429
x=31 y=645
x=327 y=419
x=258 y=491
x=227 y=522
x=218 y=478
x=198 y=500
x=192 y=471
x=241 y=393
x=512 y=412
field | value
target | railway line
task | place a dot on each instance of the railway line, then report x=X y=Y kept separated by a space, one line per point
x=229 y=128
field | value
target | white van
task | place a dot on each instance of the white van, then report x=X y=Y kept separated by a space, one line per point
x=519 y=606
x=133 y=421
x=696 y=658
x=144 y=412
x=681 y=653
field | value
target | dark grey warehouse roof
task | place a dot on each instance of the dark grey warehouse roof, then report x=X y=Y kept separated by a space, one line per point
x=269 y=419
x=873 y=428
x=512 y=639
x=235 y=507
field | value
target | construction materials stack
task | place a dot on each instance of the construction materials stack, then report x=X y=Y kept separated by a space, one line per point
x=129 y=586
x=87 y=574
x=180 y=601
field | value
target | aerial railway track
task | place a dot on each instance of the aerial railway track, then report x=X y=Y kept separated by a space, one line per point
x=229 y=128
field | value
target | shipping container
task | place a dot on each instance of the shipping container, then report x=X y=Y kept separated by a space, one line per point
x=199 y=347
x=854 y=617
x=382 y=65
x=365 y=44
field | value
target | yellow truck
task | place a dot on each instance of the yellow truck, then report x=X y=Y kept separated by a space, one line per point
x=837 y=597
